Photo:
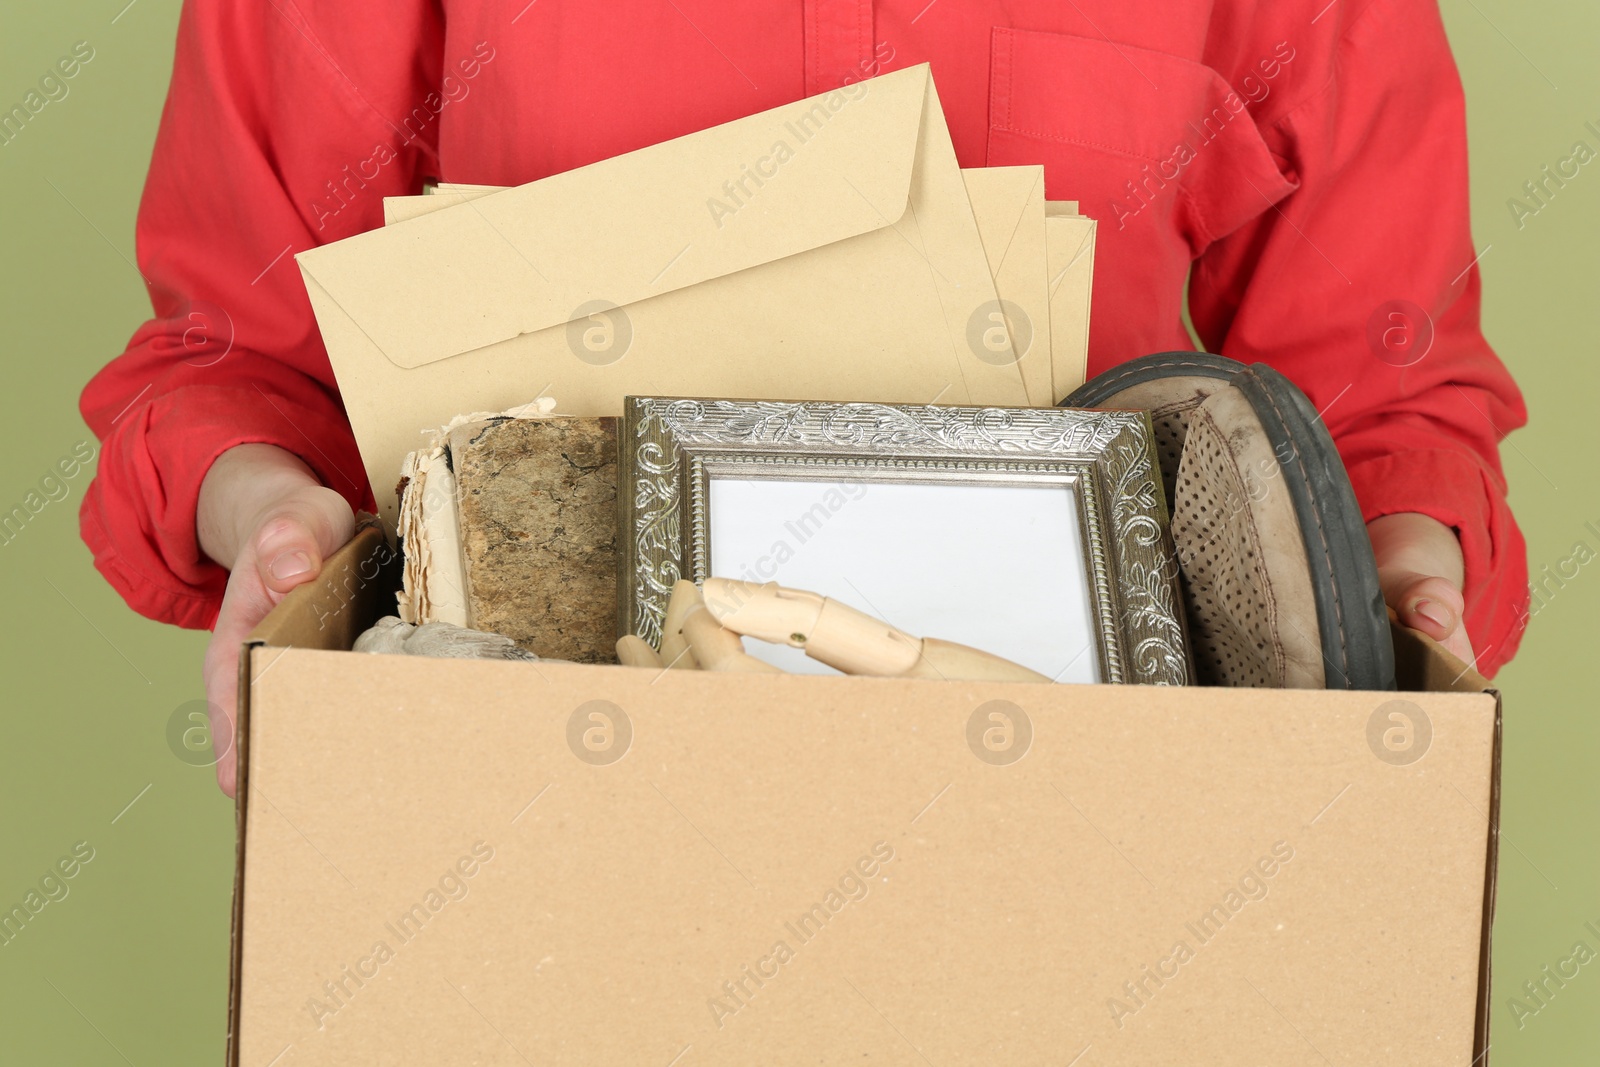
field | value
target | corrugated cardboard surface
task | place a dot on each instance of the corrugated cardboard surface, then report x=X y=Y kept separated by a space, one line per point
x=623 y=901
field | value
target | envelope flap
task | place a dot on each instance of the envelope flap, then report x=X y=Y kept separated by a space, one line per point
x=710 y=204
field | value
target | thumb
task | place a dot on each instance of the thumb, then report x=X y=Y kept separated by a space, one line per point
x=298 y=533
x=1430 y=604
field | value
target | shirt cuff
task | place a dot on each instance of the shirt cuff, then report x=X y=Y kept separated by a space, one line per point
x=138 y=514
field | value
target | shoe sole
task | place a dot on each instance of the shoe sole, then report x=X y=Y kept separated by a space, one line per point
x=1353 y=624
x=1160 y=366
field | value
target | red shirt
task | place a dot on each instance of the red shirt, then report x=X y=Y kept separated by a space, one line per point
x=1306 y=158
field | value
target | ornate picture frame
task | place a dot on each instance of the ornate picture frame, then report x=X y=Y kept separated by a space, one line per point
x=674 y=449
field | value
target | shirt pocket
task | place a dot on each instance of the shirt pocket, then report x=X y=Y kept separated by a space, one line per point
x=1132 y=134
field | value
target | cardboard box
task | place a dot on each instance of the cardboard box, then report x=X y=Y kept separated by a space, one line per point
x=464 y=862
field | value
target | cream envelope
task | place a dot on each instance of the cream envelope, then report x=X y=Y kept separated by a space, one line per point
x=398 y=209
x=821 y=250
x=1008 y=203
x=1070 y=242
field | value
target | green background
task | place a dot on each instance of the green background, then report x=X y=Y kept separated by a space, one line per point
x=131 y=967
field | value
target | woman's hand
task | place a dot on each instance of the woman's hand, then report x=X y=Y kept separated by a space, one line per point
x=1421 y=572
x=265 y=517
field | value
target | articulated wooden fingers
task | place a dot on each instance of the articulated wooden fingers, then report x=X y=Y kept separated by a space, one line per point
x=702 y=629
x=828 y=631
x=946 y=659
x=674 y=649
x=634 y=651
x=718 y=649
x=846 y=639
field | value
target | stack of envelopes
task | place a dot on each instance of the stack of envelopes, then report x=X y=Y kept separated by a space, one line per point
x=868 y=266
x=829 y=249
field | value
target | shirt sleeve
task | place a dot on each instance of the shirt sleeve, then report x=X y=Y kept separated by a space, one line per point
x=1362 y=286
x=281 y=131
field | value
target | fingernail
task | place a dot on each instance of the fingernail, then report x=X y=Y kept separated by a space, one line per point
x=1434 y=614
x=290 y=565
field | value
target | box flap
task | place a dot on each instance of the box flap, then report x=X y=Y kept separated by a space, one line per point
x=356 y=588
x=1423 y=665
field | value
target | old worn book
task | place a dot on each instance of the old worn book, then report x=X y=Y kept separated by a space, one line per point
x=536 y=506
x=509 y=526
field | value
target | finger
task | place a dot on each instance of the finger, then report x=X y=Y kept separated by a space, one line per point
x=222 y=681
x=245 y=602
x=294 y=538
x=1425 y=603
x=1459 y=646
x=222 y=694
x=222 y=723
x=1433 y=606
x=243 y=605
x=635 y=651
x=717 y=649
x=674 y=649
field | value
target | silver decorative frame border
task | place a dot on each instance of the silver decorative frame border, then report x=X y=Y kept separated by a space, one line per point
x=671 y=447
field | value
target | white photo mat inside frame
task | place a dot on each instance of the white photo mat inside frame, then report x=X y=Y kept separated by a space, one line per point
x=999 y=567
x=1036 y=534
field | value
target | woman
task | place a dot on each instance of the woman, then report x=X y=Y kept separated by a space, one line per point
x=1301 y=164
